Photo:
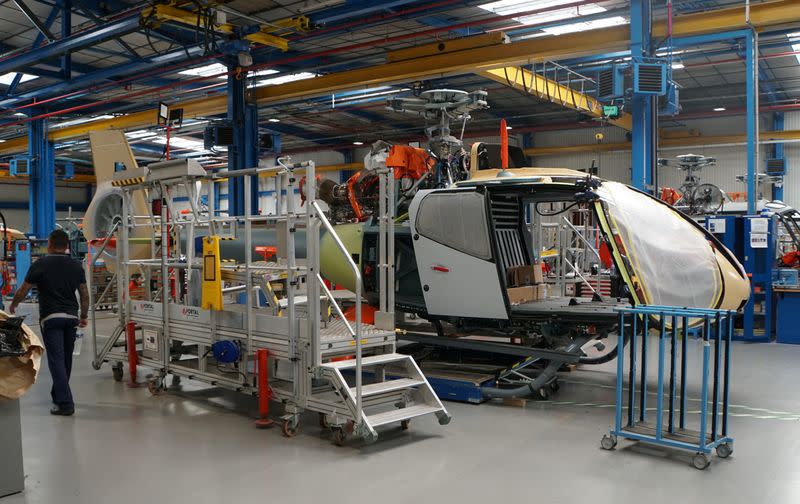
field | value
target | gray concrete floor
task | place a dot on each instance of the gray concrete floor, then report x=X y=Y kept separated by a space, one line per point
x=199 y=446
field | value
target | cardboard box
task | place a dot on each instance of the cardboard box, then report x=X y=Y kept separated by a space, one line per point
x=520 y=276
x=541 y=292
x=518 y=295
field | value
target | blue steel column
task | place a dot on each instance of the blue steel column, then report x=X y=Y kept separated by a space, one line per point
x=777 y=153
x=643 y=126
x=244 y=151
x=42 y=181
x=66 y=31
x=527 y=143
x=752 y=115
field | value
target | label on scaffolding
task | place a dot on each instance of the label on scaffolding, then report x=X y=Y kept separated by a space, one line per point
x=146 y=308
x=190 y=314
x=716 y=226
x=758 y=240
x=759 y=225
x=150 y=340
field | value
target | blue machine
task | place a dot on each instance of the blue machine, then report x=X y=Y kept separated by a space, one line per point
x=753 y=240
x=22 y=260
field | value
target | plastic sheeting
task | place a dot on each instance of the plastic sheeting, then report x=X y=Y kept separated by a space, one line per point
x=673 y=261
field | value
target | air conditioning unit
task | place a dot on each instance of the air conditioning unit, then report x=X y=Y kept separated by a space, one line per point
x=650 y=78
x=219 y=134
x=611 y=83
x=20 y=166
x=776 y=167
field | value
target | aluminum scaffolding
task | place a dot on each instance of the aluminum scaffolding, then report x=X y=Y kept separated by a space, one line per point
x=277 y=312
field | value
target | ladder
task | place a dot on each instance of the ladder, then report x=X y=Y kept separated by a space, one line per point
x=405 y=396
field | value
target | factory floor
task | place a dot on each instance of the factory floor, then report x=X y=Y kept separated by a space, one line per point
x=199 y=445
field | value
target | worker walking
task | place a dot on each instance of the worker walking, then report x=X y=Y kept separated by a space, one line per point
x=57 y=277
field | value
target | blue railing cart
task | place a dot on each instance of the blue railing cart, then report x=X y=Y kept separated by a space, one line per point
x=634 y=421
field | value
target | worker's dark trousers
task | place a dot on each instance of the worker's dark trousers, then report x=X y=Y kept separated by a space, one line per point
x=59 y=341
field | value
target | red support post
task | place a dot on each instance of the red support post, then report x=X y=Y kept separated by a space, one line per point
x=133 y=358
x=264 y=392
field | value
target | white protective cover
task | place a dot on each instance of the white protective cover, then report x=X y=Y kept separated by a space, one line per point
x=673 y=260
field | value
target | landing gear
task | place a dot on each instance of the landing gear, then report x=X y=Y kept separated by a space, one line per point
x=701 y=461
x=609 y=442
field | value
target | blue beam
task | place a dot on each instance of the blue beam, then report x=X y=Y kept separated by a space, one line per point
x=38 y=40
x=354 y=9
x=244 y=151
x=66 y=31
x=643 y=136
x=89 y=79
x=73 y=43
x=777 y=153
x=752 y=118
x=42 y=179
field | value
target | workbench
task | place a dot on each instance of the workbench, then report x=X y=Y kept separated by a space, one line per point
x=787 y=315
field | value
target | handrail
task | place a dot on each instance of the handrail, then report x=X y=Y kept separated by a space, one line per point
x=575 y=270
x=336 y=306
x=91 y=268
x=357 y=274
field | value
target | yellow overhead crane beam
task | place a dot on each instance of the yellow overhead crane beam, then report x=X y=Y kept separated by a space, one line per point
x=692 y=140
x=165 y=12
x=468 y=60
x=547 y=89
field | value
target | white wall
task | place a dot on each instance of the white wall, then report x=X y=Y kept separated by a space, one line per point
x=18 y=193
x=731 y=160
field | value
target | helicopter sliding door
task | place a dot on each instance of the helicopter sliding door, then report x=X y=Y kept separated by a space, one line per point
x=450 y=231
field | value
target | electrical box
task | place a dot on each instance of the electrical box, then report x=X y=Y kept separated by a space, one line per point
x=20 y=166
x=650 y=78
x=151 y=342
x=611 y=111
x=670 y=102
x=66 y=171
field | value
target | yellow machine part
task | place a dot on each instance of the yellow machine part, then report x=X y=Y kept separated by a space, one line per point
x=212 y=274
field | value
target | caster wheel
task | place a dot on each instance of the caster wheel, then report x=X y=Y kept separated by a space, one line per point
x=323 y=422
x=701 y=461
x=724 y=450
x=404 y=424
x=608 y=442
x=554 y=386
x=290 y=428
x=116 y=372
x=544 y=393
x=339 y=436
x=154 y=387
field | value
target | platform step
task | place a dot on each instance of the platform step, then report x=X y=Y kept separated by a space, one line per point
x=372 y=360
x=387 y=386
x=400 y=414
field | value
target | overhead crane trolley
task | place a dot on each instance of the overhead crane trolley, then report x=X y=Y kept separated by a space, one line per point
x=267 y=328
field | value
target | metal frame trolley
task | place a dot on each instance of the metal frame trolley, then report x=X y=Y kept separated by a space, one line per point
x=268 y=328
x=663 y=428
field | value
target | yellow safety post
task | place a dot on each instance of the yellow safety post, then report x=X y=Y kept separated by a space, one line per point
x=212 y=274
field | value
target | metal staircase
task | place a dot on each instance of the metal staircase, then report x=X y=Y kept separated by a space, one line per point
x=405 y=396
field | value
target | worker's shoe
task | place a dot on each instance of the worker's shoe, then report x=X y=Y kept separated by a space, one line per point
x=57 y=410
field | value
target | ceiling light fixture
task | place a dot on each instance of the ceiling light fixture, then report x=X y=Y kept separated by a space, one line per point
x=677 y=66
x=283 y=79
x=274 y=120
x=719 y=109
x=358 y=143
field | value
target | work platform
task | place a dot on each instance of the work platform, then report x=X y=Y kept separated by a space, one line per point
x=271 y=329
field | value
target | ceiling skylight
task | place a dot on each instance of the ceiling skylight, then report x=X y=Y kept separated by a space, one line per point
x=283 y=79
x=206 y=70
x=510 y=7
x=82 y=120
x=177 y=142
x=8 y=78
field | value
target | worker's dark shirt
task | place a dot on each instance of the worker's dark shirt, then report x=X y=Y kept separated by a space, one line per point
x=56 y=277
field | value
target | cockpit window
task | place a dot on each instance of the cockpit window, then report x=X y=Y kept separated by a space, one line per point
x=456 y=220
